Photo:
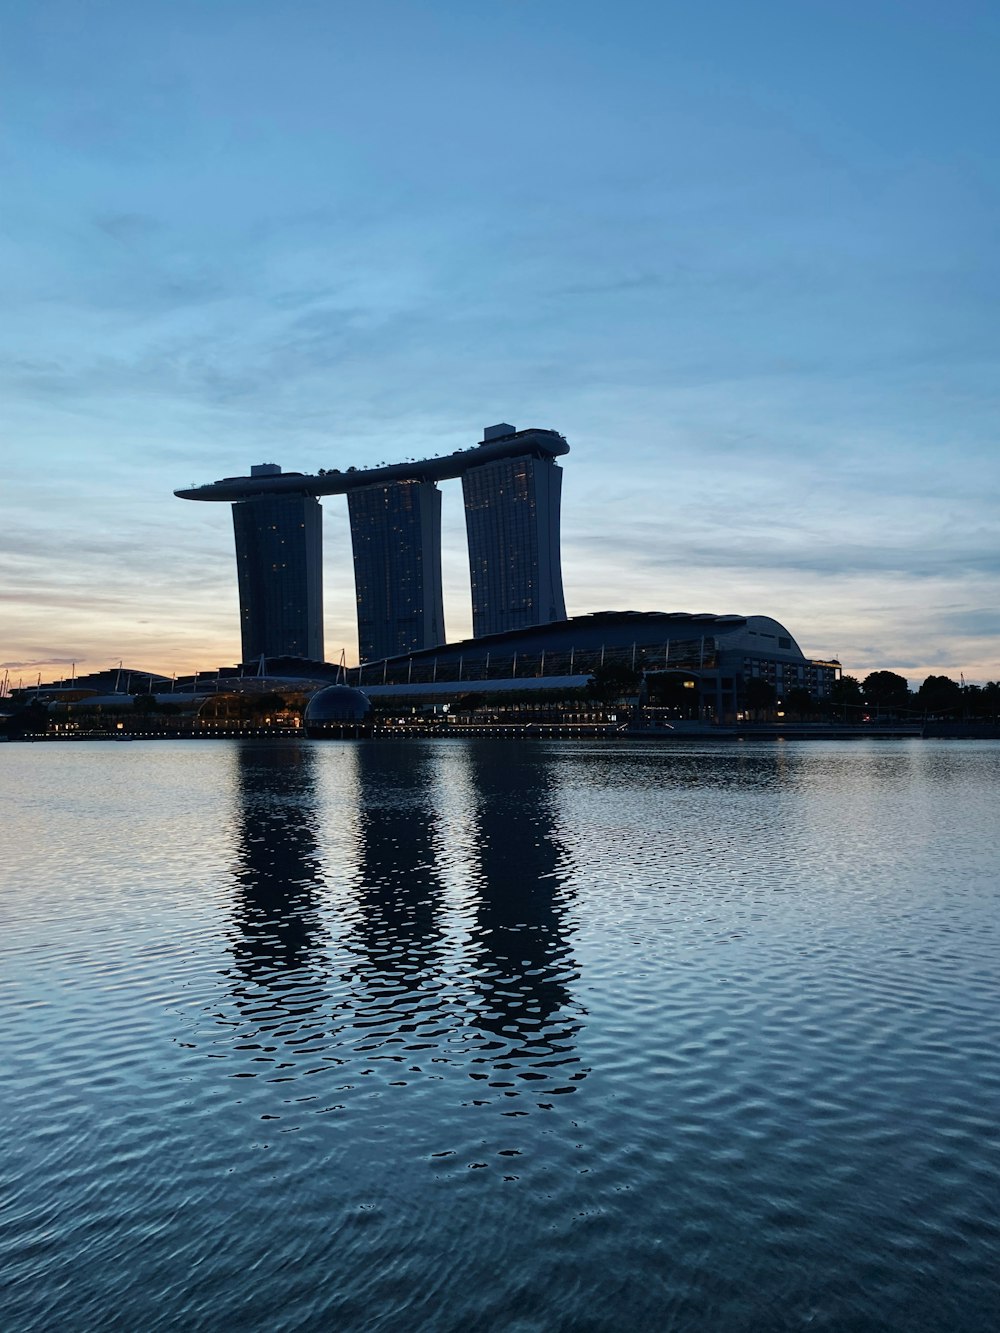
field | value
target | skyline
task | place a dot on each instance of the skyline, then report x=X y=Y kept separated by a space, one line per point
x=744 y=262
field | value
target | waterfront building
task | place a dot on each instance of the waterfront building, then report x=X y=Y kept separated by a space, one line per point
x=512 y=520
x=693 y=668
x=512 y=515
x=396 y=537
x=709 y=658
x=279 y=563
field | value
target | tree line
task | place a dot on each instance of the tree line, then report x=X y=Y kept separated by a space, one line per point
x=880 y=694
x=885 y=692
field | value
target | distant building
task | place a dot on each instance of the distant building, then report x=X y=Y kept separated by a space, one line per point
x=279 y=563
x=396 y=535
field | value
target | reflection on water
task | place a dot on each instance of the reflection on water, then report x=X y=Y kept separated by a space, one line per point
x=396 y=933
x=290 y=1030
x=277 y=872
x=278 y=940
x=524 y=962
x=368 y=971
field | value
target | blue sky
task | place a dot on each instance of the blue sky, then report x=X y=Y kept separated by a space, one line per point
x=744 y=256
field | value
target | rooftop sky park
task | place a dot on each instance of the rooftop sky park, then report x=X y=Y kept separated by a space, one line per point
x=511 y=488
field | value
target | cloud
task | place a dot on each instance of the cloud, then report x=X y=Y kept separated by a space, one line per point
x=39 y=662
x=128 y=227
x=652 y=546
x=976 y=621
x=766 y=330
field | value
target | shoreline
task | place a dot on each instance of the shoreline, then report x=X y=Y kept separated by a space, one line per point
x=552 y=731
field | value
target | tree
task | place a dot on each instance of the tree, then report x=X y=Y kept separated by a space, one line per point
x=845 y=698
x=675 y=690
x=886 y=690
x=847 y=690
x=940 y=694
x=268 y=702
x=612 y=682
x=799 y=701
x=758 y=695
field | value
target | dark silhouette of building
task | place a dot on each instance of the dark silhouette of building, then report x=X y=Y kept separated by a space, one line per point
x=512 y=490
x=279 y=563
x=715 y=655
x=512 y=518
x=396 y=535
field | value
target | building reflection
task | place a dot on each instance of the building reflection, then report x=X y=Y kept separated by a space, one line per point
x=524 y=964
x=278 y=943
x=448 y=903
x=396 y=935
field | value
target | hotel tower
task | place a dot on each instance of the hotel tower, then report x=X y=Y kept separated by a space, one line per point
x=511 y=486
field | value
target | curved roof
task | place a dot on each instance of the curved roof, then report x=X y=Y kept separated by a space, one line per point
x=622 y=628
x=337 y=703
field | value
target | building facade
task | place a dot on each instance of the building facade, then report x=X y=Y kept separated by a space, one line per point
x=512 y=489
x=512 y=519
x=396 y=538
x=279 y=563
x=711 y=658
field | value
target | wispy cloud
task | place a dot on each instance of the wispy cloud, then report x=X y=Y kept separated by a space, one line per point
x=37 y=662
x=765 y=321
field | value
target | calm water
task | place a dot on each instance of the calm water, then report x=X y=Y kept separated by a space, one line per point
x=466 y=1035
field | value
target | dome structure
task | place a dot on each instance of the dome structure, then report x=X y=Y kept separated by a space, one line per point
x=332 y=709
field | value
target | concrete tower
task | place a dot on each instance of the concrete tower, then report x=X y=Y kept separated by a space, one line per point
x=396 y=536
x=279 y=563
x=512 y=520
x=512 y=487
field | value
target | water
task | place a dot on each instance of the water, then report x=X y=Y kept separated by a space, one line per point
x=462 y=1035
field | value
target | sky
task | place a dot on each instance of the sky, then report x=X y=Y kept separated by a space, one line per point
x=743 y=256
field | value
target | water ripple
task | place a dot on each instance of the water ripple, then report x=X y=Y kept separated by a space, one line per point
x=484 y=1035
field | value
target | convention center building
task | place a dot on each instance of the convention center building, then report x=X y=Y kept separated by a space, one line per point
x=698 y=661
